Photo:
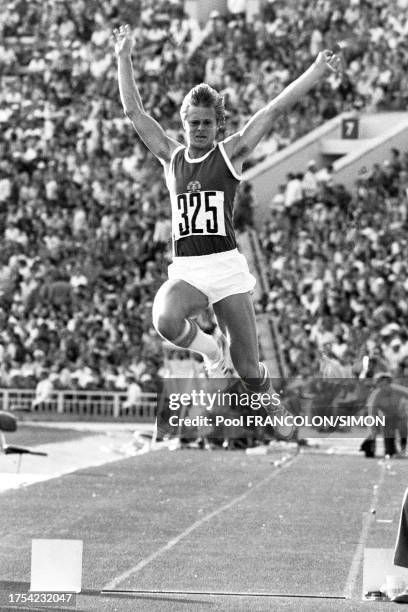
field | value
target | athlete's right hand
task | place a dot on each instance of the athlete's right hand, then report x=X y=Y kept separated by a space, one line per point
x=122 y=37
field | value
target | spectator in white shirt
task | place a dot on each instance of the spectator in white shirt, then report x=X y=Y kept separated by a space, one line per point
x=133 y=393
x=324 y=176
x=293 y=192
x=5 y=189
x=44 y=389
x=309 y=183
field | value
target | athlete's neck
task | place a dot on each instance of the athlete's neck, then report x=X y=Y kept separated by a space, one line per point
x=194 y=153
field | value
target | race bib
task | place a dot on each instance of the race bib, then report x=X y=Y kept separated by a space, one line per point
x=199 y=213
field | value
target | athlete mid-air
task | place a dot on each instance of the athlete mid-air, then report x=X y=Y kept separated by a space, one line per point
x=202 y=177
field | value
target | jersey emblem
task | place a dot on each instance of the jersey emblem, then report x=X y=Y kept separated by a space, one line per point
x=194 y=186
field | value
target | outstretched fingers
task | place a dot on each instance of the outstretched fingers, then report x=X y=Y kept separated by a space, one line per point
x=122 y=39
x=121 y=32
x=334 y=63
x=332 y=60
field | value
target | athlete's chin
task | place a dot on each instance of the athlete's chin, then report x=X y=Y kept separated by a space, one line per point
x=201 y=142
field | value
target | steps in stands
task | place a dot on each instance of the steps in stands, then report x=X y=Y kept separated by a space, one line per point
x=268 y=336
x=270 y=347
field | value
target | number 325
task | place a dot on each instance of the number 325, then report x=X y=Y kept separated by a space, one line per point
x=198 y=212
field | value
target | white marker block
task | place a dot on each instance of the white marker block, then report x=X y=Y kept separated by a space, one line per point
x=379 y=567
x=56 y=566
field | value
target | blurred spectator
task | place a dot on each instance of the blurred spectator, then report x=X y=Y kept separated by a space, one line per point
x=43 y=390
x=244 y=208
x=310 y=182
x=133 y=392
x=389 y=399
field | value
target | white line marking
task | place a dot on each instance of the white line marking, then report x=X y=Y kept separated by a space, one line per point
x=171 y=543
x=368 y=518
x=265 y=594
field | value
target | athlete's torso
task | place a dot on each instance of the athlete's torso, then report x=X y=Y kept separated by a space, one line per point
x=202 y=193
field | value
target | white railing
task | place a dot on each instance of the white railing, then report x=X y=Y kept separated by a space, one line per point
x=82 y=404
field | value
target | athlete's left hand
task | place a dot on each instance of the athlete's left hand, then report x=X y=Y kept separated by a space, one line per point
x=330 y=60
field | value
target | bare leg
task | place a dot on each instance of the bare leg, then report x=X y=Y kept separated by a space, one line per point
x=236 y=314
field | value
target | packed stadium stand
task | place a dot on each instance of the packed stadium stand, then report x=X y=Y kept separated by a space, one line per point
x=84 y=212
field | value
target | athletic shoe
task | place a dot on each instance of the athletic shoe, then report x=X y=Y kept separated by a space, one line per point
x=376 y=596
x=401 y=597
x=284 y=428
x=220 y=367
x=271 y=409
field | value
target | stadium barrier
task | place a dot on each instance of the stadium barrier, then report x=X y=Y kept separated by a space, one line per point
x=82 y=404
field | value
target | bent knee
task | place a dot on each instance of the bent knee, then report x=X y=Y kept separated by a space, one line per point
x=168 y=321
x=168 y=325
x=173 y=304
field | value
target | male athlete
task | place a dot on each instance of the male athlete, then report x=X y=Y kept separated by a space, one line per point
x=202 y=178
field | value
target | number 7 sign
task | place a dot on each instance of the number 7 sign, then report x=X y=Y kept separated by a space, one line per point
x=349 y=128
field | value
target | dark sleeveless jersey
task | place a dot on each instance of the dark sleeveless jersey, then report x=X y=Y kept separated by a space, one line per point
x=202 y=193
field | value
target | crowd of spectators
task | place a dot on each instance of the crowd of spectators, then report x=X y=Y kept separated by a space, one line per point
x=84 y=212
x=338 y=267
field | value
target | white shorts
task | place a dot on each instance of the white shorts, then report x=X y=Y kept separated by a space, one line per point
x=217 y=275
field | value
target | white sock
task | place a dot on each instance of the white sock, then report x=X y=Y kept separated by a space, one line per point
x=194 y=339
x=205 y=345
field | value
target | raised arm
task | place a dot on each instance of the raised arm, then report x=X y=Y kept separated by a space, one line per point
x=240 y=145
x=152 y=134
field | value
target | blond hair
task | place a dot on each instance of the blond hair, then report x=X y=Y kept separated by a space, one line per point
x=204 y=95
